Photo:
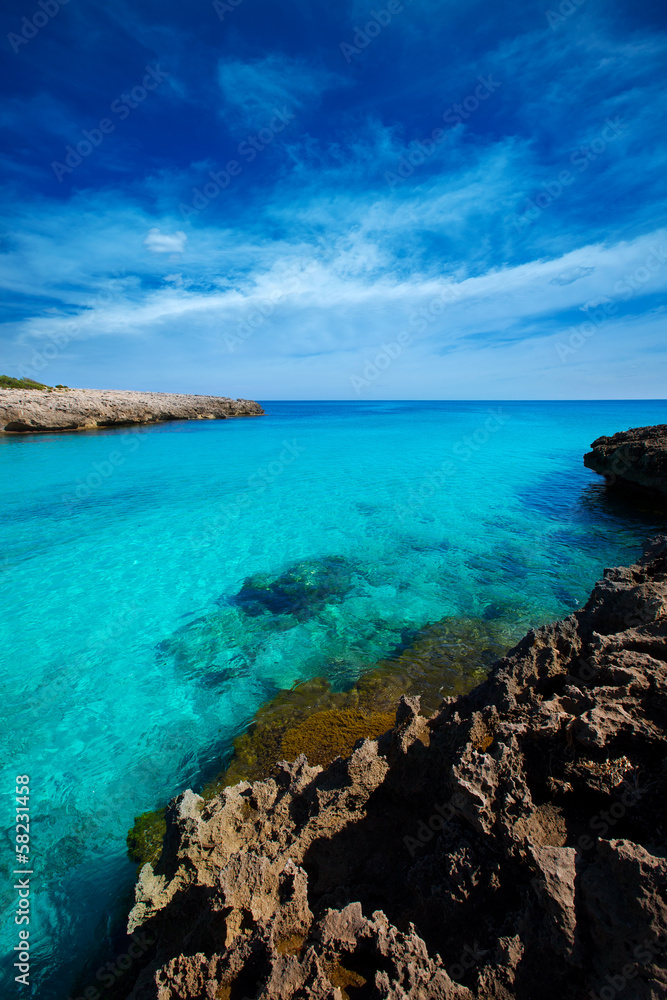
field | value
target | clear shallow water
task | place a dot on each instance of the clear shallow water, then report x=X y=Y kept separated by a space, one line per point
x=127 y=669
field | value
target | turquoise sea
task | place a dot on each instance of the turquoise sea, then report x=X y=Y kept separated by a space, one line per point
x=129 y=661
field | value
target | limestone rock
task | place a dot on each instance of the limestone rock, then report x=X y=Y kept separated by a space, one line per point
x=26 y=410
x=637 y=456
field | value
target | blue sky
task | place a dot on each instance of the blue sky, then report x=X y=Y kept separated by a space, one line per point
x=311 y=200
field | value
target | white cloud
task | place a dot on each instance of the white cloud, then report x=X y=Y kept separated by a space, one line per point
x=568 y=277
x=159 y=242
x=251 y=90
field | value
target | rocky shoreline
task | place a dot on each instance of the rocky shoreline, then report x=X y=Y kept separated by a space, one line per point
x=637 y=457
x=510 y=846
x=36 y=411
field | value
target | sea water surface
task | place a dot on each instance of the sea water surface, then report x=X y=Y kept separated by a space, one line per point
x=127 y=666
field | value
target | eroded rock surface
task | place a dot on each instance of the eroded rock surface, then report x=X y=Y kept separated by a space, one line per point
x=25 y=410
x=510 y=847
x=637 y=457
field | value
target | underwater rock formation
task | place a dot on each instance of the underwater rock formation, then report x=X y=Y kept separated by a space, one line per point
x=447 y=657
x=511 y=846
x=26 y=410
x=225 y=641
x=637 y=457
x=302 y=590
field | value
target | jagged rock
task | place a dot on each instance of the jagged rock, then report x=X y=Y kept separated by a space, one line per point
x=637 y=456
x=511 y=846
x=26 y=410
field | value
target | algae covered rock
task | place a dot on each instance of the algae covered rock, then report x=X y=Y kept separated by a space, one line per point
x=333 y=733
x=302 y=590
x=445 y=658
x=144 y=840
x=227 y=639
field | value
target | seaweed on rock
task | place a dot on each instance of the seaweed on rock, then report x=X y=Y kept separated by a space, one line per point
x=144 y=840
x=333 y=733
x=446 y=658
x=302 y=590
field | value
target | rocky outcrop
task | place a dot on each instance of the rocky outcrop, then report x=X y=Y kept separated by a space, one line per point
x=637 y=457
x=26 y=410
x=511 y=846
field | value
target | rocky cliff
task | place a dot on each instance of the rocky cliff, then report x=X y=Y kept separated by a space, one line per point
x=25 y=410
x=637 y=457
x=509 y=847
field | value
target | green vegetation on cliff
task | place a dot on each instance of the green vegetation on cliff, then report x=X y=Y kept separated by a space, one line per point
x=7 y=382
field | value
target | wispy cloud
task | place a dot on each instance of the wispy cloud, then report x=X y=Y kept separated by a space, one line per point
x=312 y=228
x=159 y=242
x=251 y=89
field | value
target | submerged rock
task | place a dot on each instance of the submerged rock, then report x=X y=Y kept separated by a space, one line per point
x=444 y=658
x=511 y=846
x=332 y=733
x=637 y=457
x=144 y=840
x=447 y=657
x=221 y=646
x=301 y=591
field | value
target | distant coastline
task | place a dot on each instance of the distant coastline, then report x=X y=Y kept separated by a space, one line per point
x=25 y=411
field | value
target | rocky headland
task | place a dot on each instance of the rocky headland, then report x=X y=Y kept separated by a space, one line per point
x=38 y=410
x=637 y=457
x=511 y=845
